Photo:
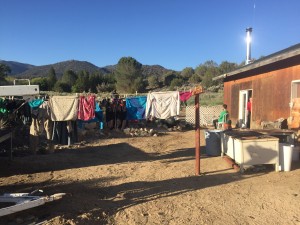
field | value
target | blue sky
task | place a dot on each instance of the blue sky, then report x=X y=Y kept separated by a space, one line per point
x=172 y=33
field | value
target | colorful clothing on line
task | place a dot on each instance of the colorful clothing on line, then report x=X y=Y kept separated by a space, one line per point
x=136 y=107
x=41 y=123
x=163 y=105
x=3 y=106
x=35 y=103
x=86 y=109
x=63 y=108
x=184 y=96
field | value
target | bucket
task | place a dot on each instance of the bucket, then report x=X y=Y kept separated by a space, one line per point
x=287 y=157
x=213 y=142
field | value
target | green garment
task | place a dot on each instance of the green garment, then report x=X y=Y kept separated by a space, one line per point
x=2 y=106
x=222 y=115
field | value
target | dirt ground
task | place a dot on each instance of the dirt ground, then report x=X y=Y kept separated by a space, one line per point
x=149 y=180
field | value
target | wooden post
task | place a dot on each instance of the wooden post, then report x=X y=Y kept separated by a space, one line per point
x=197 y=135
x=197 y=91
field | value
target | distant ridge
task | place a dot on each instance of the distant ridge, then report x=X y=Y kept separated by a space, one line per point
x=17 y=67
x=22 y=70
x=60 y=68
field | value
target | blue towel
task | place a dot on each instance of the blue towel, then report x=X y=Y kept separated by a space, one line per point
x=35 y=104
x=136 y=107
x=98 y=112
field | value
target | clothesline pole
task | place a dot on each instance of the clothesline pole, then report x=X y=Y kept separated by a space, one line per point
x=197 y=91
x=197 y=135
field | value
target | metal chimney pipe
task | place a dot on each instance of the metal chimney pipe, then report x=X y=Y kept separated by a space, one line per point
x=248 y=40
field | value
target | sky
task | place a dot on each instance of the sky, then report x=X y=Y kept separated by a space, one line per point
x=172 y=33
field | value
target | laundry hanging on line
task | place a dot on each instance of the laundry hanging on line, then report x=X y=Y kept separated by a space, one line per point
x=136 y=107
x=186 y=95
x=86 y=108
x=35 y=103
x=163 y=105
x=64 y=108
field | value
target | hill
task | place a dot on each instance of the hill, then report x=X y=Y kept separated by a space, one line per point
x=60 y=67
x=154 y=70
x=16 y=67
x=22 y=70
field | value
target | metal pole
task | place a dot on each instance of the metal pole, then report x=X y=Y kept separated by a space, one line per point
x=197 y=135
x=248 y=39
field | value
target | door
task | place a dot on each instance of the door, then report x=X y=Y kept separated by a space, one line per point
x=245 y=95
x=294 y=121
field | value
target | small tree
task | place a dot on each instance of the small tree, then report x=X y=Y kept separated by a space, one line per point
x=82 y=82
x=195 y=78
x=69 y=77
x=128 y=75
x=207 y=80
x=4 y=71
x=168 y=77
x=52 y=79
x=177 y=82
x=43 y=83
x=62 y=87
x=105 y=87
x=153 y=81
x=187 y=72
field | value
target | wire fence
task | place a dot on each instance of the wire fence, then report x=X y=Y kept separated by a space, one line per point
x=207 y=114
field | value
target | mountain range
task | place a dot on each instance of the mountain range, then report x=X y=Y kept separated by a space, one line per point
x=23 y=70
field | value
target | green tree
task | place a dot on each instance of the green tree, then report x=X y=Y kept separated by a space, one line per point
x=195 y=78
x=52 y=79
x=42 y=82
x=94 y=80
x=82 y=82
x=105 y=87
x=62 y=87
x=207 y=80
x=107 y=83
x=209 y=65
x=187 y=72
x=69 y=77
x=226 y=67
x=109 y=78
x=168 y=77
x=153 y=81
x=4 y=71
x=128 y=75
x=177 y=82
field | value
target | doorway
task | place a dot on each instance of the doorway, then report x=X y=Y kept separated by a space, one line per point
x=294 y=104
x=244 y=97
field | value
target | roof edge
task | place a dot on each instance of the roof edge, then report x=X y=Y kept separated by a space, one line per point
x=275 y=57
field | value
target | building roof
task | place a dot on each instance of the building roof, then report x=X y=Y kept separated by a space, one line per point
x=265 y=61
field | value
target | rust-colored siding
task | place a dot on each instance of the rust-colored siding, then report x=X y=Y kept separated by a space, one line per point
x=271 y=94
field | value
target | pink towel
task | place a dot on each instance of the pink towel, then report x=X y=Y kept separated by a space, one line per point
x=184 y=96
x=86 y=109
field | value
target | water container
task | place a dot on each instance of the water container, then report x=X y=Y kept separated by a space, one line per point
x=287 y=157
x=213 y=142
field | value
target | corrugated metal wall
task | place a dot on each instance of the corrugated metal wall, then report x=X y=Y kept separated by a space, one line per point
x=271 y=94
